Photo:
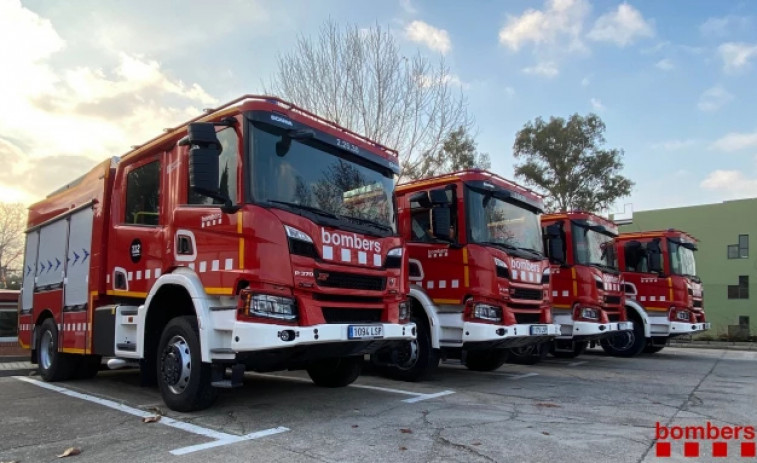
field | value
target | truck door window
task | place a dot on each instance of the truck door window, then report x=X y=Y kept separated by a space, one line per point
x=227 y=172
x=636 y=257
x=421 y=221
x=142 y=195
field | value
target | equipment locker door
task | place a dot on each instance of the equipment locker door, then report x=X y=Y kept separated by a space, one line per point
x=75 y=320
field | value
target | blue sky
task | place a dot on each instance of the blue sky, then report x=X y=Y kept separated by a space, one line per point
x=673 y=80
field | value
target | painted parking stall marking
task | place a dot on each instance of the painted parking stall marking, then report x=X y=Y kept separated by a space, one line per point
x=220 y=438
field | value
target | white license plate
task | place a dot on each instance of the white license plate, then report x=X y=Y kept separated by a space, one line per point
x=365 y=332
x=537 y=330
x=625 y=325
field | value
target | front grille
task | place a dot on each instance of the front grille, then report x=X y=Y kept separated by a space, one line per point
x=529 y=294
x=698 y=304
x=527 y=318
x=346 y=298
x=349 y=281
x=339 y=315
x=613 y=300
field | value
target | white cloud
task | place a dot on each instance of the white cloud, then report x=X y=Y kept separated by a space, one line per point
x=735 y=141
x=546 y=69
x=674 y=145
x=433 y=38
x=731 y=183
x=80 y=115
x=621 y=27
x=558 y=25
x=714 y=98
x=736 y=55
x=723 y=26
x=408 y=6
x=425 y=80
x=596 y=104
x=665 y=64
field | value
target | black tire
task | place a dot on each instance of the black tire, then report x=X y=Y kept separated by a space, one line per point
x=627 y=343
x=652 y=349
x=52 y=364
x=485 y=360
x=88 y=366
x=578 y=349
x=337 y=372
x=528 y=355
x=414 y=360
x=185 y=387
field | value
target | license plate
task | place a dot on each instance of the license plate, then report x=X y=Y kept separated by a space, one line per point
x=537 y=330
x=365 y=332
x=625 y=325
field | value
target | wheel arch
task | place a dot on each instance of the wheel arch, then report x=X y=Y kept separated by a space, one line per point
x=633 y=307
x=421 y=301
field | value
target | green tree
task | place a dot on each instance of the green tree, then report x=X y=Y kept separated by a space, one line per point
x=459 y=151
x=566 y=161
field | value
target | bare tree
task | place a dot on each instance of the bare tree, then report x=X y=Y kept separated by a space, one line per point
x=12 y=224
x=359 y=79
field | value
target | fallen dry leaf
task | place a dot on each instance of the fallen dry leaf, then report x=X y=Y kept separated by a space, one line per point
x=476 y=443
x=354 y=426
x=151 y=419
x=403 y=448
x=545 y=433
x=547 y=405
x=406 y=431
x=70 y=452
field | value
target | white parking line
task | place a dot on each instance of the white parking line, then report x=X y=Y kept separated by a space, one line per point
x=419 y=396
x=524 y=375
x=575 y=364
x=221 y=438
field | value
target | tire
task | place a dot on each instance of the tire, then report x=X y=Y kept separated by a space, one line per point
x=626 y=344
x=578 y=349
x=485 y=360
x=337 y=372
x=52 y=364
x=183 y=380
x=528 y=355
x=414 y=360
x=88 y=366
x=652 y=349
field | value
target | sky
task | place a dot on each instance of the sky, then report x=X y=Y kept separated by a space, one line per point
x=673 y=81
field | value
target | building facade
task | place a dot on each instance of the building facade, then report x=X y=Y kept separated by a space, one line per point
x=726 y=260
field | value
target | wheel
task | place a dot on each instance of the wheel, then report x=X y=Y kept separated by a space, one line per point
x=52 y=364
x=338 y=372
x=652 y=349
x=578 y=349
x=413 y=360
x=528 y=355
x=485 y=360
x=183 y=379
x=626 y=343
x=88 y=366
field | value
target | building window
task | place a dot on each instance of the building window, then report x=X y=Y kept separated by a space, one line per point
x=740 y=250
x=740 y=291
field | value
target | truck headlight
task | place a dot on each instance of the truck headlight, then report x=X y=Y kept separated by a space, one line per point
x=264 y=305
x=487 y=312
x=589 y=313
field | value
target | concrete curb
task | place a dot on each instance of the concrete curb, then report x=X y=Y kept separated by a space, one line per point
x=723 y=345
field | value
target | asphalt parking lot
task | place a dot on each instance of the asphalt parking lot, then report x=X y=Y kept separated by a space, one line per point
x=592 y=408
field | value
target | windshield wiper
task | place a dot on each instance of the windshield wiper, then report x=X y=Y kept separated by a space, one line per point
x=535 y=251
x=312 y=209
x=368 y=222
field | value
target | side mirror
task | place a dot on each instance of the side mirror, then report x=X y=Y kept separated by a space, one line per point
x=654 y=256
x=555 y=244
x=204 y=150
x=438 y=197
x=421 y=198
x=441 y=220
x=632 y=251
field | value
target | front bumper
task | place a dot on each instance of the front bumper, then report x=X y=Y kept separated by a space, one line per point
x=256 y=337
x=590 y=331
x=488 y=336
x=677 y=328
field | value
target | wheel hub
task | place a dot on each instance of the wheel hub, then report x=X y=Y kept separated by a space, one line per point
x=622 y=341
x=176 y=364
x=407 y=355
x=46 y=350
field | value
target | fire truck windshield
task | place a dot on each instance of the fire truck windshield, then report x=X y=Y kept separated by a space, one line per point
x=593 y=247
x=495 y=221
x=309 y=175
x=682 y=260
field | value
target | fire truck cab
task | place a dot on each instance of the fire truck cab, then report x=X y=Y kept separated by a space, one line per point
x=587 y=289
x=479 y=278
x=663 y=293
x=258 y=236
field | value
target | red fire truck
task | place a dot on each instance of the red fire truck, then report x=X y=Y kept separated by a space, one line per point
x=257 y=237
x=587 y=290
x=479 y=278
x=663 y=293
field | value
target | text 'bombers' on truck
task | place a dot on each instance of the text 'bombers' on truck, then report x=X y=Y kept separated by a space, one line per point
x=587 y=289
x=479 y=278
x=663 y=293
x=258 y=236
